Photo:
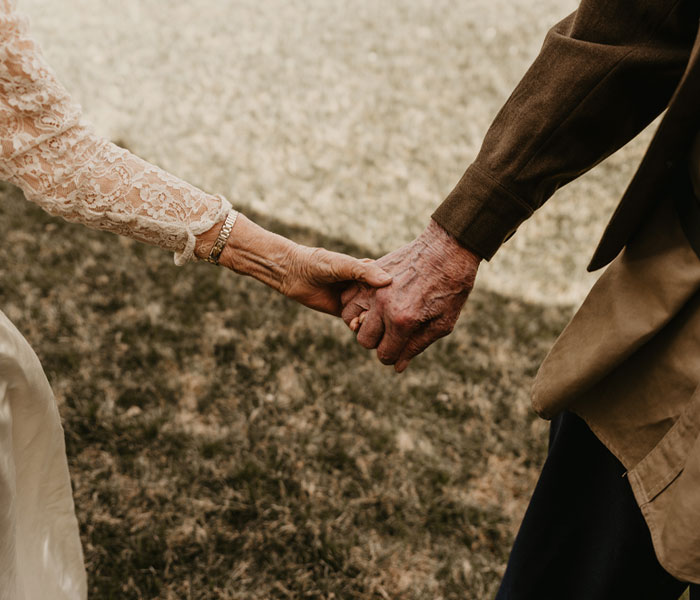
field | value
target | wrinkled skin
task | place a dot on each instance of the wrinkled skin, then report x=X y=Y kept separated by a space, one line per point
x=314 y=277
x=432 y=278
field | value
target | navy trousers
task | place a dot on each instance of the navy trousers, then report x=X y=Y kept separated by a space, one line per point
x=583 y=536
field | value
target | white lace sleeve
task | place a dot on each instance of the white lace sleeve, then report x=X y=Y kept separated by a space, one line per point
x=62 y=165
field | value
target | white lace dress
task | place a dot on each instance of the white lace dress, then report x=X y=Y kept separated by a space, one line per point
x=59 y=162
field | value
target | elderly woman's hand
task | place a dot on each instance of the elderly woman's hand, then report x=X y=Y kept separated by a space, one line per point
x=315 y=277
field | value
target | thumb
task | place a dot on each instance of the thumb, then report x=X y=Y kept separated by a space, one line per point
x=371 y=273
x=341 y=267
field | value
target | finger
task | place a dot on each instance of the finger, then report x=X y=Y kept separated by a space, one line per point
x=401 y=365
x=372 y=330
x=417 y=344
x=351 y=292
x=352 y=309
x=393 y=342
x=357 y=321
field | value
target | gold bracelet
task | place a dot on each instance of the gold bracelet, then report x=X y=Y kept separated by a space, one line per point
x=224 y=234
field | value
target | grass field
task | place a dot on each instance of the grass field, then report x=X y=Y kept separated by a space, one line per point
x=226 y=443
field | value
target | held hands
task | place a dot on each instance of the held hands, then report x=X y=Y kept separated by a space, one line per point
x=432 y=278
x=430 y=281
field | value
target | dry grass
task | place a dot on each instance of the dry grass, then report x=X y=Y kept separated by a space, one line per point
x=226 y=443
x=355 y=118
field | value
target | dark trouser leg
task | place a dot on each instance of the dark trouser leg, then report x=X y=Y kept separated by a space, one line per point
x=583 y=536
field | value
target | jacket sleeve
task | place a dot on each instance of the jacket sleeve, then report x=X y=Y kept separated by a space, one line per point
x=60 y=163
x=603 y=74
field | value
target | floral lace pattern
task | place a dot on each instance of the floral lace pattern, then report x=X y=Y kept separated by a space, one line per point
x=62 y=165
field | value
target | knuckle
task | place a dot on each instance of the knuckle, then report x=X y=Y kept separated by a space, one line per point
x=444 y=328
x=357 y=271
x=447 y=329
x=439 y=333
x=403 y=319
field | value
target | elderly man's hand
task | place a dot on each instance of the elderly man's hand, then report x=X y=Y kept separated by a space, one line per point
x=433 y=276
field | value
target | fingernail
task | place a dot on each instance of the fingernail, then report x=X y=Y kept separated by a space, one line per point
x=384 y=278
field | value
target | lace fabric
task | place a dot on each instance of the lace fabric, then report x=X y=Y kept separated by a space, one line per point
x=55 y=157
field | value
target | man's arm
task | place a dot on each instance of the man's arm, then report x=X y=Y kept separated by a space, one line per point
x=603 y=74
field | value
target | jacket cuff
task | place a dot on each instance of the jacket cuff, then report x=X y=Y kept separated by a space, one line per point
x=481 y=213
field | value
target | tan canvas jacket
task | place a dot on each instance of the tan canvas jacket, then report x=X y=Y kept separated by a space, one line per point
x=628 y=364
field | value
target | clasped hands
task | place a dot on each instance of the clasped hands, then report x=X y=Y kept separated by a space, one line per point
x=399 y=304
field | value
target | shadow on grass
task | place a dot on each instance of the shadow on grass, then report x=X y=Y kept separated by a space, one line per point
x=227 y=443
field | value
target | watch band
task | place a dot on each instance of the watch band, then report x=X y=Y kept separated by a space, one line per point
x=224 y=234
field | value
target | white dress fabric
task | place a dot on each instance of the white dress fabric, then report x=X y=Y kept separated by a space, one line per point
x=40 y=553
x=61 y=164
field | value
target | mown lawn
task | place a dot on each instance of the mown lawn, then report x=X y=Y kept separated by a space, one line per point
x=226 y=443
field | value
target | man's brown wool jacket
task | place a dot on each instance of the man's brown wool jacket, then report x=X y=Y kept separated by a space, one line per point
x=603 y=74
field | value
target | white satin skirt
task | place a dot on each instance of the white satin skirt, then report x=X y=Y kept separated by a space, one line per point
x=40 y=553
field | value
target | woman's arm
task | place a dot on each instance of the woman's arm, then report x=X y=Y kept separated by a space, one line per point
x=62 y=165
